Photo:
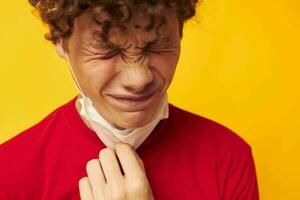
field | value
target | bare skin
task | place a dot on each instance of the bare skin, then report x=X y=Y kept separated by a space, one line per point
x=123 y=86
x=106 y=181
x=126 y=89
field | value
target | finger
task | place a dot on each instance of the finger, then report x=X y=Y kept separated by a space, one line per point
x=140 y=161
x=110 y=166
x=96 y=177
x=85 y=189
x=129 y=161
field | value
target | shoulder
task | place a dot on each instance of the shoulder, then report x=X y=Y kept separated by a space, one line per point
x=208 y=133
x=29 y=138
x=22 y=155
x=22 y=158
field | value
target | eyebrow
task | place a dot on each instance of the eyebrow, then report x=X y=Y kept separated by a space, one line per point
x=100 y=44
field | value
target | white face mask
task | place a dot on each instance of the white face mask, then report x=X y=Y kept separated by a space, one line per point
x=107 y=132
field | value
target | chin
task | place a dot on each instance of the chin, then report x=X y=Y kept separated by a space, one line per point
x=133 y=119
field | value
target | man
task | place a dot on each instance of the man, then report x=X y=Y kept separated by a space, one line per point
x=120 y=139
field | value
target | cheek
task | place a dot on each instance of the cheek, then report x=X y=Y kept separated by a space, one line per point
x=97 y=74
x=165 y=65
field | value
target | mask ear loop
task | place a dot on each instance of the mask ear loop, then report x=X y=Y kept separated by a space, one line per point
x=82 y=112
x=74 y=77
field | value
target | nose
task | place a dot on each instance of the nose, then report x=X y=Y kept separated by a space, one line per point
x=137 y=78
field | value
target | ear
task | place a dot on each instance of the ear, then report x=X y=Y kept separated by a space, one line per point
x=59 y=46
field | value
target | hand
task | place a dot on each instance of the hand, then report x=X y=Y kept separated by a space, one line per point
x=106 y=181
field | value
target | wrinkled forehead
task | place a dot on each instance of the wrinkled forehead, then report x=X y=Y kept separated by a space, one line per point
x=97 y=25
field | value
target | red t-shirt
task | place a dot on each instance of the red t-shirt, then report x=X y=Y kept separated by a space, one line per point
x=186 y=157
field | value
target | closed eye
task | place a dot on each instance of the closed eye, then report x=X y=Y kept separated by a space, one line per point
x=109 y=55
x=102 y=52
x=154 y=47
x=157 y=50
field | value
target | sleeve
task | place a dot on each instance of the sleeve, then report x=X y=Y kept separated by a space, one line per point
x=237 y=176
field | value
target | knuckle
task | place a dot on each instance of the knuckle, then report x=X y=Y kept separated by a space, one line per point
x=91 y=164
x=138 y=186
x=123 y=146
x=83 y=180
x=118 y=194
x=116 y=191
x=104 y=152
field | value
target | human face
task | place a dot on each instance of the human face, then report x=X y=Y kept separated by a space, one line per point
x=126 y=83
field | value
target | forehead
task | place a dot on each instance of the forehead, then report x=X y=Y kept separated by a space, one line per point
x=87 y=29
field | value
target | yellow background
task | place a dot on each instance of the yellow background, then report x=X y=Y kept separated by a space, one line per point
x=239 y=66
